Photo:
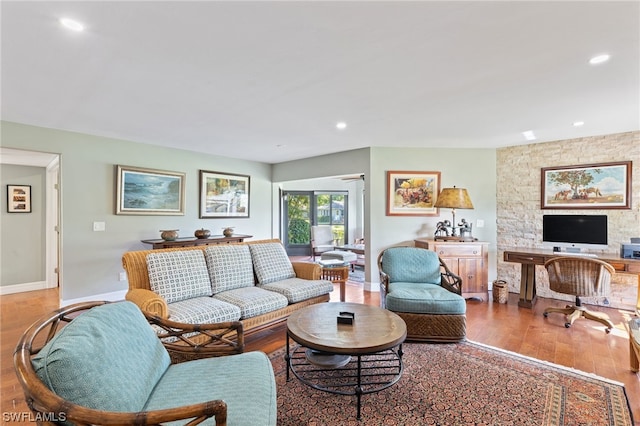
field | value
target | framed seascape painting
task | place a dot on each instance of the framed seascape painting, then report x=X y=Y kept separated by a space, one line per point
x=18 y=198
x=223 y=195
x=143 y=191
x=412 y=193
x=590 y=186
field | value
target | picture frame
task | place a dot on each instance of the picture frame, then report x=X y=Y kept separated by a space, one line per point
x=224 y=195
x=412 y=193
x=587 y=186
x=143 y=191
x=18 y=198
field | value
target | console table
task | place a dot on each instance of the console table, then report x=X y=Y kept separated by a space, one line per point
x=193 y=241
x=531 y=257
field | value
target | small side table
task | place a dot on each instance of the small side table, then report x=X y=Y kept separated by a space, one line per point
x=634 y=344
x=337 y=274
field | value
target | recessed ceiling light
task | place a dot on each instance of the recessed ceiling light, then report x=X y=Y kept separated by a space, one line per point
x=529 y=135
x=578 y=123
x=72 y=24
x=599 y=59
x=341 y=125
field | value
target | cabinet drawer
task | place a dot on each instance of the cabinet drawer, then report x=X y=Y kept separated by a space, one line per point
x=458 y=250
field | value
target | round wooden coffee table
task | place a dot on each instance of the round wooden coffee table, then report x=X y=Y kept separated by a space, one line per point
x=347 y=359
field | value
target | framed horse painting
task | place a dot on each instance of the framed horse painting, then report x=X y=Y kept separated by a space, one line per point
x=589 y=186
x=412 y=193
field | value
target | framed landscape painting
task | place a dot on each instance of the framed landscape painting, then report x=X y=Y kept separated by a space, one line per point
x=412 y=193
x=223 y=195
x=590 y=186
x=143 y=191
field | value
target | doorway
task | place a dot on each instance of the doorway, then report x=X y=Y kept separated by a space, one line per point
x=50 y=163
x=303 y=209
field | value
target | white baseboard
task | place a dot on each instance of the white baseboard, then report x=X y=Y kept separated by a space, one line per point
x=19 y=288
x=111 y=297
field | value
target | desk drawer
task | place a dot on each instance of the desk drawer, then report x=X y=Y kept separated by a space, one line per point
x=524 y=258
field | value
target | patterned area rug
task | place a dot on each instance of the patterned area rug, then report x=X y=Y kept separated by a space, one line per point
x=462 y=384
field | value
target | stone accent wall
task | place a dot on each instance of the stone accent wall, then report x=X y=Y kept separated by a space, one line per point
x=519 y=213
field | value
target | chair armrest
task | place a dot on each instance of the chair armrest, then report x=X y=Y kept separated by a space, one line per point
x=449 y=280
x=307 y=270
x=192 y=341
x=196 y=413
x=148 y=301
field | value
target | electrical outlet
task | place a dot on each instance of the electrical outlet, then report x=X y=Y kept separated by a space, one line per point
x=122 y=276
x=479 y=223
x=99 y=226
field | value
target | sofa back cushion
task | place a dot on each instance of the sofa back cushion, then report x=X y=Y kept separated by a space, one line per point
x=411 y=265
x=179 y=275
x=271 y=263
x=108 y=358
x=229 y=267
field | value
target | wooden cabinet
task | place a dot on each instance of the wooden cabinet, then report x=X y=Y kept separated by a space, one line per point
x=468 y=259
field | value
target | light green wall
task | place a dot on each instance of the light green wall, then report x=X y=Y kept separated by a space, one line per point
x=22 y=240
x=473 y=169
x=91 y=261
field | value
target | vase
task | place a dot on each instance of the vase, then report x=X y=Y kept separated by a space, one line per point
x=227 y=232
x=202 y=233
x=169 y=234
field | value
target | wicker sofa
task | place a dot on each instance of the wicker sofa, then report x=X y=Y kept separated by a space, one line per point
x=253 y=282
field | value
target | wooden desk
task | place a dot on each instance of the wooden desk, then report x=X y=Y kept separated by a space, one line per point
x=531 y=257
x=193 y=241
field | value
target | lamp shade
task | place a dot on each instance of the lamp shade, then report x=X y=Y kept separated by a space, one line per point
x=454 y=198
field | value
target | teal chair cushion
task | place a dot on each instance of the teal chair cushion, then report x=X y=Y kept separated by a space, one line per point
x=245 y=382
x=108 y=358
x=420 y=298
x=411 y=265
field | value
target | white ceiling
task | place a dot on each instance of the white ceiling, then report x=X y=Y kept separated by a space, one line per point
x=268 y=81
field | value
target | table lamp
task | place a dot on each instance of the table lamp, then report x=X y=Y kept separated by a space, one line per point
x=454 y=198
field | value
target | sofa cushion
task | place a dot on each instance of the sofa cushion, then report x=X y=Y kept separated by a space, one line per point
x=297 y=289
x=203 y=310
x=178 y=275
x=423 y=298
x=271 y=263
x=107 y=359
x=245 y=382
x=253 y=301
x=229 y=266
x=411 y=264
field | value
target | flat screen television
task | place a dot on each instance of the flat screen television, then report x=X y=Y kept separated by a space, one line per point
x=573 y=232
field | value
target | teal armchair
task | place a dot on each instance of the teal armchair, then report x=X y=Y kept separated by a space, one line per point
x=418 y=286
x=103 y=363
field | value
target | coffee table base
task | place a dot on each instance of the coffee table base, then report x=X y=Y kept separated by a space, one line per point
x=363 y=374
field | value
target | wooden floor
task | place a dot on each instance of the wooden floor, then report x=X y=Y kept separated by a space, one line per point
x=584 y=346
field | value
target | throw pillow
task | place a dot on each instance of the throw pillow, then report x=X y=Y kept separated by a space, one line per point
x=179 y=275
x=271 y=263
x=229 y=267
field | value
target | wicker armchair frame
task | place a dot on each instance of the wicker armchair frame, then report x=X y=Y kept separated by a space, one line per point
x=219 y=339
x=430 y=327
